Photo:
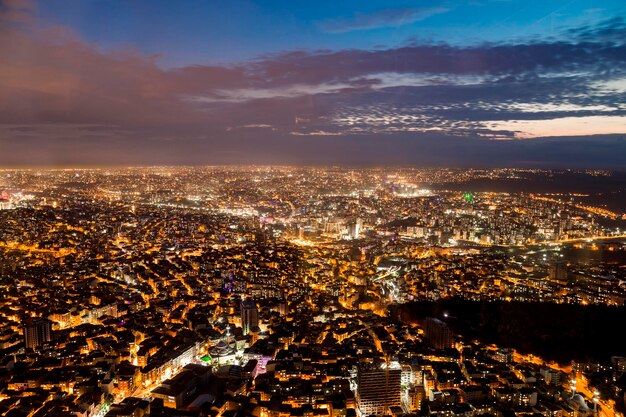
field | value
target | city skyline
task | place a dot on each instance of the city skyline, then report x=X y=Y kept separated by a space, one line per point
x=477 y=83
x=275 y=208
x=299 y=291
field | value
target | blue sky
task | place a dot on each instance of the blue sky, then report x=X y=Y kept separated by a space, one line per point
x=209 y=32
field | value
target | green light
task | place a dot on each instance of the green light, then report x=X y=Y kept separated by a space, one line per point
x=468 y=197
x=206 y=358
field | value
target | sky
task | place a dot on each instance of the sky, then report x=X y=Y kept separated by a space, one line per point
x=538 y=84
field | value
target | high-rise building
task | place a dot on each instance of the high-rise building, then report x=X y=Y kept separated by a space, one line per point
x=558 y=270
x=551 y=376
x=619 y=364
x=37 y=332
x=378 y=390
x=249 y=315
x=438 y=333
x=503 y=355
x=354 y=228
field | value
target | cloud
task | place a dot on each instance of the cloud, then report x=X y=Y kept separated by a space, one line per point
x=248 y=94
x=381 y=19
x=616 y=85
x=610 y=30
x=16 y=12
x=563 y=126
x=315 y=133
x=68 y=101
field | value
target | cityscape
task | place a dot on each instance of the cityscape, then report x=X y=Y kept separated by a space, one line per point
x=275 y=208
x=272 y=291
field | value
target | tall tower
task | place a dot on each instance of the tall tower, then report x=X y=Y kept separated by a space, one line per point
x=37 y=332
x=378 y=389
x=249 y=315
x=354 y=228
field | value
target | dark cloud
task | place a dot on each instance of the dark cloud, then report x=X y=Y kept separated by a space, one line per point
x=611 y=30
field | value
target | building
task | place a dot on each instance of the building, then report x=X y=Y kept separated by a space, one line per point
x=558 y=270
x=5 y=204
x=354 y=228
x=37 y=332
x=378 y=389
x=619 y=364
x=249 y=315
x=416 y=396
x=130 y=406
x=438 y=333
x=504 y=355
x=178 y=391
x=551 y=376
